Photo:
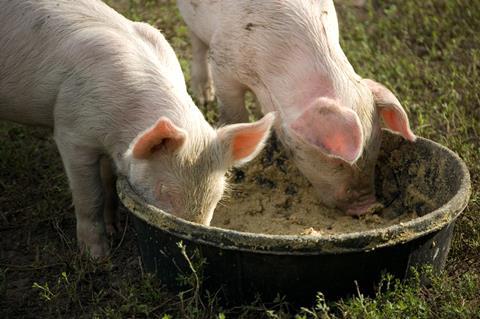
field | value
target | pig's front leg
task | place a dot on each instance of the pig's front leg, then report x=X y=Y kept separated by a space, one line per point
x=110 y=209
x=82 y=165
x=230 y=97
x=202 y=84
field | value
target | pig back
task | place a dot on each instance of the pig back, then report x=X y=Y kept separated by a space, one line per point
x=42 y=42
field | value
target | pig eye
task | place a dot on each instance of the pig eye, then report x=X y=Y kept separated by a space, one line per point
x=161 y=190
x=164 y=197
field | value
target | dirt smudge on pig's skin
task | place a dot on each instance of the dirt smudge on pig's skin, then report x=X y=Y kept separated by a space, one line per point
x=270 y=196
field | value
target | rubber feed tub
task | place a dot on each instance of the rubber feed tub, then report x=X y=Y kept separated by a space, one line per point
x=240 y=266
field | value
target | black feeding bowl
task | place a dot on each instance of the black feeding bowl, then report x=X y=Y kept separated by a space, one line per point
x=422 y=176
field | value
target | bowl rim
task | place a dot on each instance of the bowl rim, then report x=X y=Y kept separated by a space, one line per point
x=303 y=244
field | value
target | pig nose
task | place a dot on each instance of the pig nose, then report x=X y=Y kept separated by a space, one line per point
x=362 y=206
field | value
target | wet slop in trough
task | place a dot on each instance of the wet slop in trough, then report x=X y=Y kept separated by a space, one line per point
x=422 y=185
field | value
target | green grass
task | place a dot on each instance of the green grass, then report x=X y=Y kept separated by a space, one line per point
x=427 y=52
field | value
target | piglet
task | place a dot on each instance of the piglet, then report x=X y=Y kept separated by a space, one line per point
x=287 y=53
x=114 y=94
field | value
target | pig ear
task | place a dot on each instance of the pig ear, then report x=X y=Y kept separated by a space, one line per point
x=335 y=130
x=244 y=141
x=163 y=136
x=390 y=110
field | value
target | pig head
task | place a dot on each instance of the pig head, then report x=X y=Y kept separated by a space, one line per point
x=343 y=145
x=182 y=172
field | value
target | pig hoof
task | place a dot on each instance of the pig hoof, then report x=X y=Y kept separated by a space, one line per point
x=205 y=94
x=93 y=243
x=209 y=94
x=96 y=251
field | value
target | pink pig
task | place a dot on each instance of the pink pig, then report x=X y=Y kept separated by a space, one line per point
x=114 y=94
x=287 y=53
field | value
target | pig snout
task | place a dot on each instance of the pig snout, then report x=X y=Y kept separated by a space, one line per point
x=357 y=202
x=362 y=206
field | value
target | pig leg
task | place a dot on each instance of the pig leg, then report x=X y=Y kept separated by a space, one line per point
x=202 y=85
x=231 y=105
x=230 y=97
x=82 y=165
x=257 y=109
x=110 y=209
